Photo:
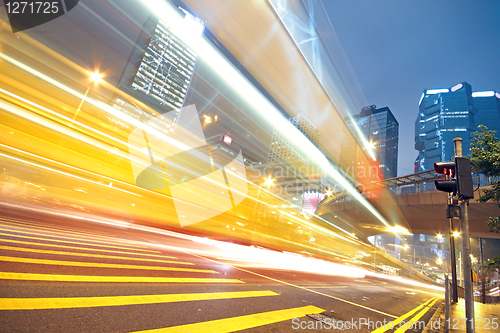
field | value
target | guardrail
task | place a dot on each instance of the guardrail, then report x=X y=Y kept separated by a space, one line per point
x=477 y=181
x=425 y=185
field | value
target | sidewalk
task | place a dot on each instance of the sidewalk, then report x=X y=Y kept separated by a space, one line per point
x=487 y=318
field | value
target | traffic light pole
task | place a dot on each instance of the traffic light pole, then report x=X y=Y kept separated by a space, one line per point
x=466 y=262
x=468 y=286
x=483 y=278
x=454 y=290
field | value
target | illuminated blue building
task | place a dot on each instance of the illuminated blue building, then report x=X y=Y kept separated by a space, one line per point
x=487 y=104
x=445 y=114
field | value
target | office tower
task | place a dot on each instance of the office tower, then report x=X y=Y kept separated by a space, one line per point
x=448 y=113
x=161 y=66
x=487 y=104
x=282 y=149
x=381 y=129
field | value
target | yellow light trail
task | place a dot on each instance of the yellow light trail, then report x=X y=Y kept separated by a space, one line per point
x=67 y=241
x=68 y=119
x=223 y=185
x=76 y=254
x=82 y=170
x=102 y=265
x=57 y=127
x=232 y=76
x=319 y=229
x=88 y=302
x=107 y=108
x=102 y=278
x=242 y=322
x=66 y=174
x=253 y=97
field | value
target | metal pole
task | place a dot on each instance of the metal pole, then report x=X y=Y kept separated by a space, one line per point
x=457 y=142
x=466 y=264
x=483 y=278
x=446 y=303
x=454 y=290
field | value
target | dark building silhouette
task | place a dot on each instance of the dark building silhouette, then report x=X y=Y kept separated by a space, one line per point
x=381 y=129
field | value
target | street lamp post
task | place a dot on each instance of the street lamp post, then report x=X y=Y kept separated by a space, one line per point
x=466 y=262
x=94 y=78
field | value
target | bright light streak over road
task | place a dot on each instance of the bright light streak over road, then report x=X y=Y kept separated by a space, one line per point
x=253 y=97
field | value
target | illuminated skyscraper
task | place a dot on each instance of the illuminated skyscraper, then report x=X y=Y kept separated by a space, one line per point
x=161 y=67
x=282 y=149
x=449 y=113
x=380 y=127
x=487 y=104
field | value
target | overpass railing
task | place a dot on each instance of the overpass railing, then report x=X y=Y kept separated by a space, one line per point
x=397 y=187
x=477 y=181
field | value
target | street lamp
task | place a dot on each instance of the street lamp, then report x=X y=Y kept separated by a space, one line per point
x=95 y=77
x=473 y=259
x=269 y=181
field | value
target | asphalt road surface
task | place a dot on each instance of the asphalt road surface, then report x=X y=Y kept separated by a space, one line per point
x=67 y=275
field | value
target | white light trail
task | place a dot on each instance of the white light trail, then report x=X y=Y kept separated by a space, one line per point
x=252 y=96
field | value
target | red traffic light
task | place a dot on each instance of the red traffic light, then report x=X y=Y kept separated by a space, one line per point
x=460 y=169
x=445 y=168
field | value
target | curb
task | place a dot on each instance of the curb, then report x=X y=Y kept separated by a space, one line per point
x=439 y=314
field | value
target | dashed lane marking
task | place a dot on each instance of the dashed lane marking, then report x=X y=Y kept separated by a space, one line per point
x=101 y=265
x=70 y=242
x=101 y=278
x=88 y=302
x=52 y=232
x=58 y=231
x=242 y=322
x=84 y=248
x=77 y=254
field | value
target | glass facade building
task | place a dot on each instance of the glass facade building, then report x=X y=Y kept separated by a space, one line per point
x=445 y=114
x=161 y=66
x=487 y=104
x=380 y=127
x=282 y=149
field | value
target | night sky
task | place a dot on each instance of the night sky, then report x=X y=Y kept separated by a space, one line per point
x=399 y=48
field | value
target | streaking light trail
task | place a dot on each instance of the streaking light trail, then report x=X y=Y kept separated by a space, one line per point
x=253 y=97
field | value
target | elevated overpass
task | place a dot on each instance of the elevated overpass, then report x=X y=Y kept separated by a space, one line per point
x=413 y=203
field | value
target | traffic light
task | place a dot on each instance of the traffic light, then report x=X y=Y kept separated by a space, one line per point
x=446 y=185
x=461 y=171
x=464 y=178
